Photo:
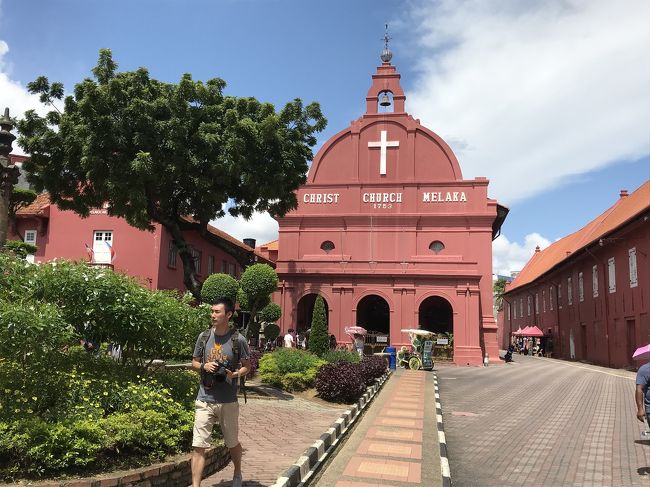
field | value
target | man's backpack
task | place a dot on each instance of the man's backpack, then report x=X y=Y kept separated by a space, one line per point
x=236 y=350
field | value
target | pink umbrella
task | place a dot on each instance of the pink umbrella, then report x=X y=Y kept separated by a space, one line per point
x=355 y=330
x=518 y=332
x=642 y=353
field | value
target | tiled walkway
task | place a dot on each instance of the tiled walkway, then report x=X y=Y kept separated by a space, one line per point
x=395 y=442
x=274 y=433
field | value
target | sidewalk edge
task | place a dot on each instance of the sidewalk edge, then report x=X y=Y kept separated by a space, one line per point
x=313 y=457
x=442 y=440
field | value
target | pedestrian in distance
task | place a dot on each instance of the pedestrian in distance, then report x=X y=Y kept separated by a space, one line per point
x=642 y=393
x=221 y=356
x=289 y=340
x=332 y=342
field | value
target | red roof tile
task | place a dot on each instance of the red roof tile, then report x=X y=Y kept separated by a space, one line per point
x=38 y=206
x=624 y=210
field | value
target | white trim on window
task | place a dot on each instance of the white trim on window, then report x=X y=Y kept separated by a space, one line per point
x=550 y=297
x=30 y=237
x=594 y=280
x=634 y=276
x=569 y=291
x=581 y=287
x=536 y=303
x=611 y=272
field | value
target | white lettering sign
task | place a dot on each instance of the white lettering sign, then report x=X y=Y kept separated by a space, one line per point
x=320 y=198
x=440 y=197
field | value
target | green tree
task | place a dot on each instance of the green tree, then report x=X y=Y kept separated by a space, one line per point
x=318 y=337
x=498 y=289
x=172 y=153
x=218 y=286
x=257 y=283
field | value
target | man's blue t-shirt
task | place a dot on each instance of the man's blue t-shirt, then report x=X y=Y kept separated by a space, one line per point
x=643 y=379
x=220 y=348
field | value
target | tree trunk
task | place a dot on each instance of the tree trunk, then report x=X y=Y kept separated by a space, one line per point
x=189 y=269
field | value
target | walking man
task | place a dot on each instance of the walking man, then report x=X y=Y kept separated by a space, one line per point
x=642 y=393
x=217 y=356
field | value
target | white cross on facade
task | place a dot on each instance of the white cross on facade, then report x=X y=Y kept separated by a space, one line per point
x=383 y=144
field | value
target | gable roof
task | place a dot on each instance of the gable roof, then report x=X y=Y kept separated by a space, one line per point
x=38 y=207
x=272 y=245
x=623 y=211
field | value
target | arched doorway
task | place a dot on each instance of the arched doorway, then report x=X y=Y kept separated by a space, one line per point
x=436 y=315
x=373 y=313
x=305 y=312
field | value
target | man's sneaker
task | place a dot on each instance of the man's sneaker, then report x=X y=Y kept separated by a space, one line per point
x=236 y=481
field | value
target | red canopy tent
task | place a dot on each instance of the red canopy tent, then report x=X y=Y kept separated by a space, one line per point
x=518 y=332
x=533 y=331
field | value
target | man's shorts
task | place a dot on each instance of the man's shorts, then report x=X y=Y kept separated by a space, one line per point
x=207 y=414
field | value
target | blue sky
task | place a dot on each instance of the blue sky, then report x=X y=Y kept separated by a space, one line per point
x=549 y=100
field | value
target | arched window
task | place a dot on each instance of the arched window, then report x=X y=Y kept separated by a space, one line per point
x=436 y=247
x=327 y=246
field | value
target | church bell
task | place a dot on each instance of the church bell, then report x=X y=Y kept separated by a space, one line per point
x=385 y=101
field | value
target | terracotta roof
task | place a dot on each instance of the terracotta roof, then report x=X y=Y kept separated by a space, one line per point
x=272 y=245
x=38 y=207
x=229 y=238
x=624 y=210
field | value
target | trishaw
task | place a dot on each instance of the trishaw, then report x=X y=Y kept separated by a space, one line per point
x=421 y=357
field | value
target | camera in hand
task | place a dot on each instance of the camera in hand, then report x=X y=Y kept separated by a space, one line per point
x=220 y=371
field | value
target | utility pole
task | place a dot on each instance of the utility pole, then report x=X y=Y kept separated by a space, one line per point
x=8 y=174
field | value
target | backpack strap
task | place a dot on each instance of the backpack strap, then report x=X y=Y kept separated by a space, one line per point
x=236 y=350
x=203 y=338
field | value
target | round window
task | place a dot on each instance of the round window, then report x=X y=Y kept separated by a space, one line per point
x=436 y=247
x=327 y=246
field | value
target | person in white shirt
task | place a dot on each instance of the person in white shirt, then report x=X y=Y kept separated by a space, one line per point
x=289 y=341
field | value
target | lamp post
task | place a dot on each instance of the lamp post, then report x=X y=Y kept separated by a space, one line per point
x=8 y=174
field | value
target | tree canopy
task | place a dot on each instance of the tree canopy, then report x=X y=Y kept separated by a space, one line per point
x=161 y=152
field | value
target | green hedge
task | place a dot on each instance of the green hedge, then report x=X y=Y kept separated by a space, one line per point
x=289 y=369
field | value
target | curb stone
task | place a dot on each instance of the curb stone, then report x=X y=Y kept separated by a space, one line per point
x=442 y=440
x=314 y=456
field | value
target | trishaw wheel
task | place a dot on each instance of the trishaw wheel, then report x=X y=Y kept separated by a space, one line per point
x=414 y=363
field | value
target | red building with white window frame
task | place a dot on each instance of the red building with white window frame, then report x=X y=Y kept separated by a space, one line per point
x=590 y=290
x=148 y=256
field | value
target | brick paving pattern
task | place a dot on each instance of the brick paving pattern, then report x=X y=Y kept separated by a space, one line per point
x=273 y=434
x=542 y=422
x=395 y=443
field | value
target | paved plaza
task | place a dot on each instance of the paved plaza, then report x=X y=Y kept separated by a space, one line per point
x=542 y=422
x=395 y=443
x=273 y=434
x=537 y=422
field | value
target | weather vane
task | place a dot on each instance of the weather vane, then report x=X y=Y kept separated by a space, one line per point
x=386 y=55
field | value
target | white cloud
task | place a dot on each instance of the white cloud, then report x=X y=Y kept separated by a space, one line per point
x=13 y=94
x=261 y=227
x=512 y=256
x=534 y=92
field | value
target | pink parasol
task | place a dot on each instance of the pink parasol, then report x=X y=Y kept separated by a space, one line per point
x=642 y=353
x=355 y=330
x=518 y=332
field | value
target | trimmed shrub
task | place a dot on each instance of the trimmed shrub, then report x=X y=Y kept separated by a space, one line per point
x=20 y=248
x=335 y=356
x=218 y=286
x=255 y=357
x=289 y=368
x=271 y=313
x=372 y=368
x=340 y=382
x=271 y=331
x=257 y=283
x=319 y=341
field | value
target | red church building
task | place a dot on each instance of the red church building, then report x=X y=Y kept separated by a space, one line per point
x=107 y=240
x=390 y=234
x=589 y=291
